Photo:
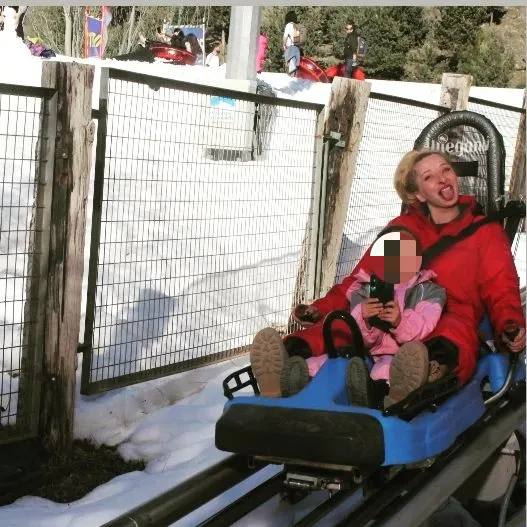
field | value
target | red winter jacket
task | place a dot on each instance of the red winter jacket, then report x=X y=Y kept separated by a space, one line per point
x=478 y=274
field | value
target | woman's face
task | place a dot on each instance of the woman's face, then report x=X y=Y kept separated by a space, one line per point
x=437 y=183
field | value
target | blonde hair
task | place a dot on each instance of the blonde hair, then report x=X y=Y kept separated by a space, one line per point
x=404 y=179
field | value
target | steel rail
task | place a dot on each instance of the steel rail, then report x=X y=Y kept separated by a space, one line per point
x=189 y=495
x=246 y=503
x=326 y=507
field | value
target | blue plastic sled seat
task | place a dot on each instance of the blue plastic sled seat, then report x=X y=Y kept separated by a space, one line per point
x=321 y=425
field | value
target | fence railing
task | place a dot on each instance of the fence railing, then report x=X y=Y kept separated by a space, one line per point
x=507 y=120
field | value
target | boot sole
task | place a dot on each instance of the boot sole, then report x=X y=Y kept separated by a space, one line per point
x=294 y=377
x=360 y=390
x=408 y=371
x=268 y=356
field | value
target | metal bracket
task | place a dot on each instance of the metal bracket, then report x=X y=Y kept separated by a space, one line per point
x=335 y=139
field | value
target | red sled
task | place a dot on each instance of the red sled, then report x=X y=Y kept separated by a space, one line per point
x=176 y=56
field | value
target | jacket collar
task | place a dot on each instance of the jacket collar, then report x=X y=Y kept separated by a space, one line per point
x=363 y=276
x=470 y=210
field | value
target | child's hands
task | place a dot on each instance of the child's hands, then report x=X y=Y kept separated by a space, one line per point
x=391 y=313
x=306 y=315
x=371 y=307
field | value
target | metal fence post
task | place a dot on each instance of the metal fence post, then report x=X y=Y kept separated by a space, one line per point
x=98 y=189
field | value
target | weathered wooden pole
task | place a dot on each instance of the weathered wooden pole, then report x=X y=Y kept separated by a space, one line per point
x=455 y=90
x=345 y=117
x=517 y=181
x=72 y=163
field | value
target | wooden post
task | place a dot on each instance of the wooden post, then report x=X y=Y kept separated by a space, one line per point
x=346 y=114
x=517 y=181
x=455 y=89
x=73 y=152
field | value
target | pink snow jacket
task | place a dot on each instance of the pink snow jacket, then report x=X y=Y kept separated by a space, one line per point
x=421 y=302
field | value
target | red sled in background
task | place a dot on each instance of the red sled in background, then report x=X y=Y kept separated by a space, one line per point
x=177 y=56
x=311 y=70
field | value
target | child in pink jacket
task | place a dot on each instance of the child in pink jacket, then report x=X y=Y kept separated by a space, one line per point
x=412 y=315
x=420 y=303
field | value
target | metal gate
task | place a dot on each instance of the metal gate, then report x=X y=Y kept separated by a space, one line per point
x=206 y=208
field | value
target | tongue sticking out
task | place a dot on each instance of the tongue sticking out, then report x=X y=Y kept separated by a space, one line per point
x=447 y=193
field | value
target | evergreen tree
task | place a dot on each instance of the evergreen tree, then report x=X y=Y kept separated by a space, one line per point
x=488 y=60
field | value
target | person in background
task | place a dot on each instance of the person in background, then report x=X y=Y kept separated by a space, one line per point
x=351 y=45
x=291 y=52
x=213 y=58
x=177 y=40
x=263 y=42
x=192 y=46
x=159 y=34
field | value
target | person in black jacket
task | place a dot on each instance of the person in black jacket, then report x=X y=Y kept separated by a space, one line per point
x=351 y=45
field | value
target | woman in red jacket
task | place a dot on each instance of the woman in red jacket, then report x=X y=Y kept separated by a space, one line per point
x=478 y=274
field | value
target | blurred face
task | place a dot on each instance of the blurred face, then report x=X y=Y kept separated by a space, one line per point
x=398 y=258
x=349 y=28
x=437 y=183
x=409 y=260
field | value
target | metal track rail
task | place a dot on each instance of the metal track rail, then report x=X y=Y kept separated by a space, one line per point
x=246 y=503
x=188 y=496
x=325 y=508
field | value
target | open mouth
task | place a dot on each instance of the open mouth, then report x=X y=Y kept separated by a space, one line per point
x=447 y=192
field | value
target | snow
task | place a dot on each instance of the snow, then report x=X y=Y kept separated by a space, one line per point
x=169 y=422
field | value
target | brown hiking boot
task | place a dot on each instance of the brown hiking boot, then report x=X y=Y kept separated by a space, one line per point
x=359 y=384
x=268 y=356
x=408 y=371
x=294 y=376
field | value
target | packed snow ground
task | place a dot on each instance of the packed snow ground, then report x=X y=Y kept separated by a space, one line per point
x=170 y=422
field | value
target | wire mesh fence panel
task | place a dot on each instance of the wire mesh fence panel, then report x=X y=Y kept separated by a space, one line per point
x=391 y=127
x=506 y=119
x=201 y=237
x=20 y=128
